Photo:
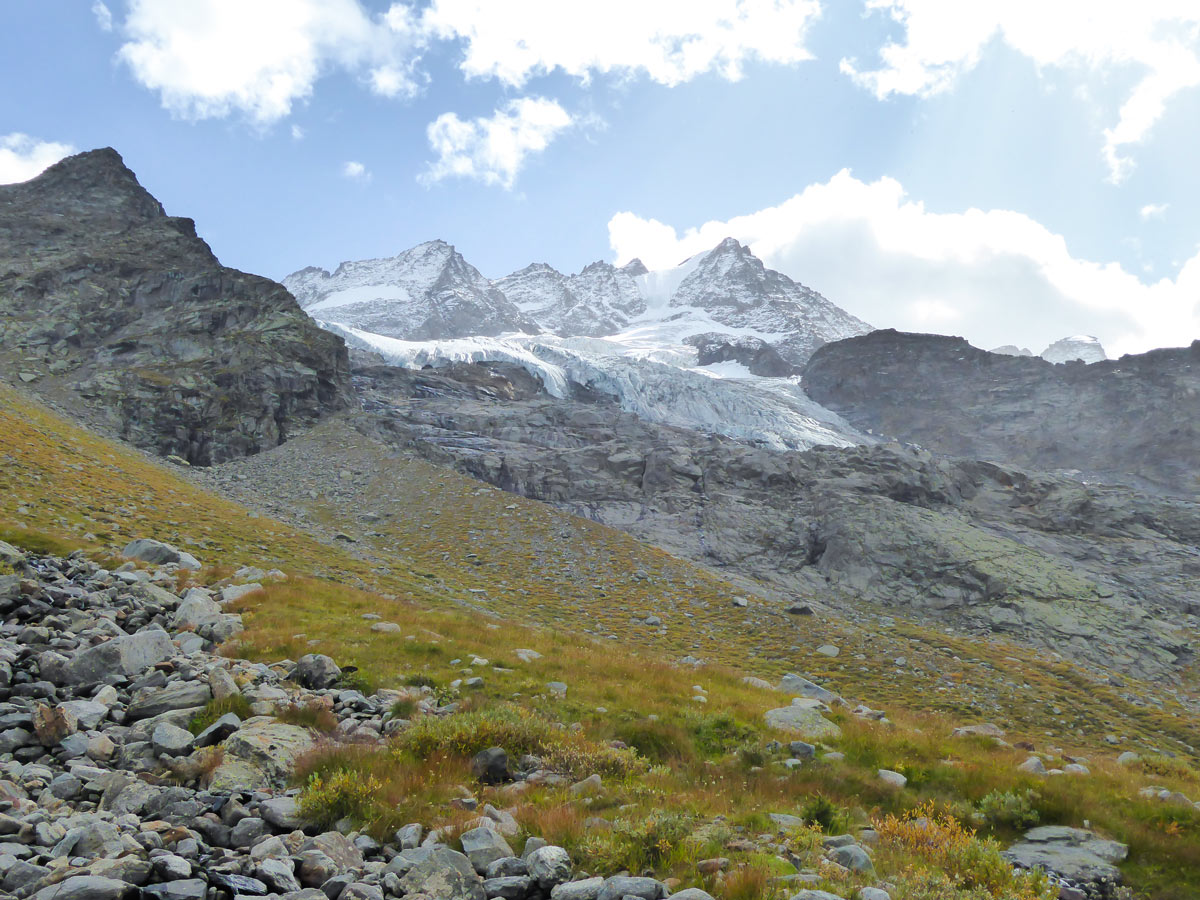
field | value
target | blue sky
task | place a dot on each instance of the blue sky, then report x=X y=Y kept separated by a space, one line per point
x=1012 y=172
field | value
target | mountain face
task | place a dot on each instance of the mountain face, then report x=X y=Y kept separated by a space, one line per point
x=693 y=346
x=426 y=293
x=1102 y=574
x=109 y=304
x=599 y=300
x=738 y=291
x=432 y=293
x=1133 y=419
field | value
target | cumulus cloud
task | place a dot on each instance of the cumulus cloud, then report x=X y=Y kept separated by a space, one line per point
x=994 y=277
x=355 y=171
x=209 y=58
x=1153 y=210
x=670 y=41
x=1158 y=40
x=493 y=149
x=103 y=15
x=23 y=157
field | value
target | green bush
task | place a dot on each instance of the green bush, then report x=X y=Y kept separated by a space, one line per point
x=404 y=708
x=214 y=709
x=341 y=794
x=419 y=679
x=356 y=680
x=716 y=734
x=1012 y=809
x=645 y=843
x=822 y=813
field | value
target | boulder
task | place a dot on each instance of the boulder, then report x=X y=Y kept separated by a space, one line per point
x=586 y=889
x=176 y=696
x=621 y=886
x=807 y=723
x=483 y=846
x=1073 y=853
x=121 y=658
x=549 y=866
x=158 y=553
x=444 y=875
x=86 y=887
x=799 y=686
x=491 y=766
x=316 y=672
x=261 y=754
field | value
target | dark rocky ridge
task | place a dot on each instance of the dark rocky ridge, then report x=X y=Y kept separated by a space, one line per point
x=111 y=306
x=1102 y=574
x=1134 y=420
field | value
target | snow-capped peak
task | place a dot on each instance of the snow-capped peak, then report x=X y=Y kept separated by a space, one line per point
x=427 y=292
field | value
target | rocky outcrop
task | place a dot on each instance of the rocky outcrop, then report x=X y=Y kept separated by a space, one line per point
x=108 y=304
x=1102 y=574
x=1133 y=420
x=759 y=357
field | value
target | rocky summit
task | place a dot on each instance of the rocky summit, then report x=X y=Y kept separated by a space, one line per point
x=110 y=306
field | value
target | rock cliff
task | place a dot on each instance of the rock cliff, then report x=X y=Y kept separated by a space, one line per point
x=110 y=305
x=1133 y=420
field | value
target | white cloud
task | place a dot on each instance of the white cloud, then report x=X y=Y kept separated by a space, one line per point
x=23 y=157
x=208 y=58
x=670 y=41
x=994 y=277
x=103 y=15
x=356 y=171
x=1158 y=40
x=297 y=133
x=493 y=149
x=1153 y=210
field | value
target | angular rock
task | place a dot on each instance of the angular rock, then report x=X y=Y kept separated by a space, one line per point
x=316 y=672
x=444 y=875
x=483 y=846
x=121 y=657
x=261 y=754
x=86 y=887
x=620 y=886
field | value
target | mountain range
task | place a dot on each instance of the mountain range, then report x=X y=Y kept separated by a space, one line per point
x=585 y=531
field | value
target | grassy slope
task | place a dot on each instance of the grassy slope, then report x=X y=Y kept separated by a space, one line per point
x=552 y=577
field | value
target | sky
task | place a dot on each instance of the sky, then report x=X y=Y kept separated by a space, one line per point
x=1006 y=170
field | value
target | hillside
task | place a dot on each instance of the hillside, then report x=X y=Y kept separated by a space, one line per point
x=441 y=565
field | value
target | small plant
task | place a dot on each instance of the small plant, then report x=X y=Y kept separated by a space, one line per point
x=214 y=709
x=718 y=734
x=645 y=843
x=822 y=813
x=308 y=715
x=341 y=794
x=419 y=679
x=356 y=680
x=1013 y=809
x=404 y=708
x=944 y=844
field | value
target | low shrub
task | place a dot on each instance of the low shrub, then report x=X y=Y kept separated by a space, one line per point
x=944 y=844
x=341 y=794
x=419 y=679
x=519 y=731
x=1012 y=809
x=820 y=812
x=644 y=843
x=404 y=708
x=716 y=734
x=308 y=715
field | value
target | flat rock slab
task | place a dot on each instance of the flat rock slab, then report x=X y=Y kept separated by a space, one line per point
x=261 y=754
x=1073 y=853
x=807 y=723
